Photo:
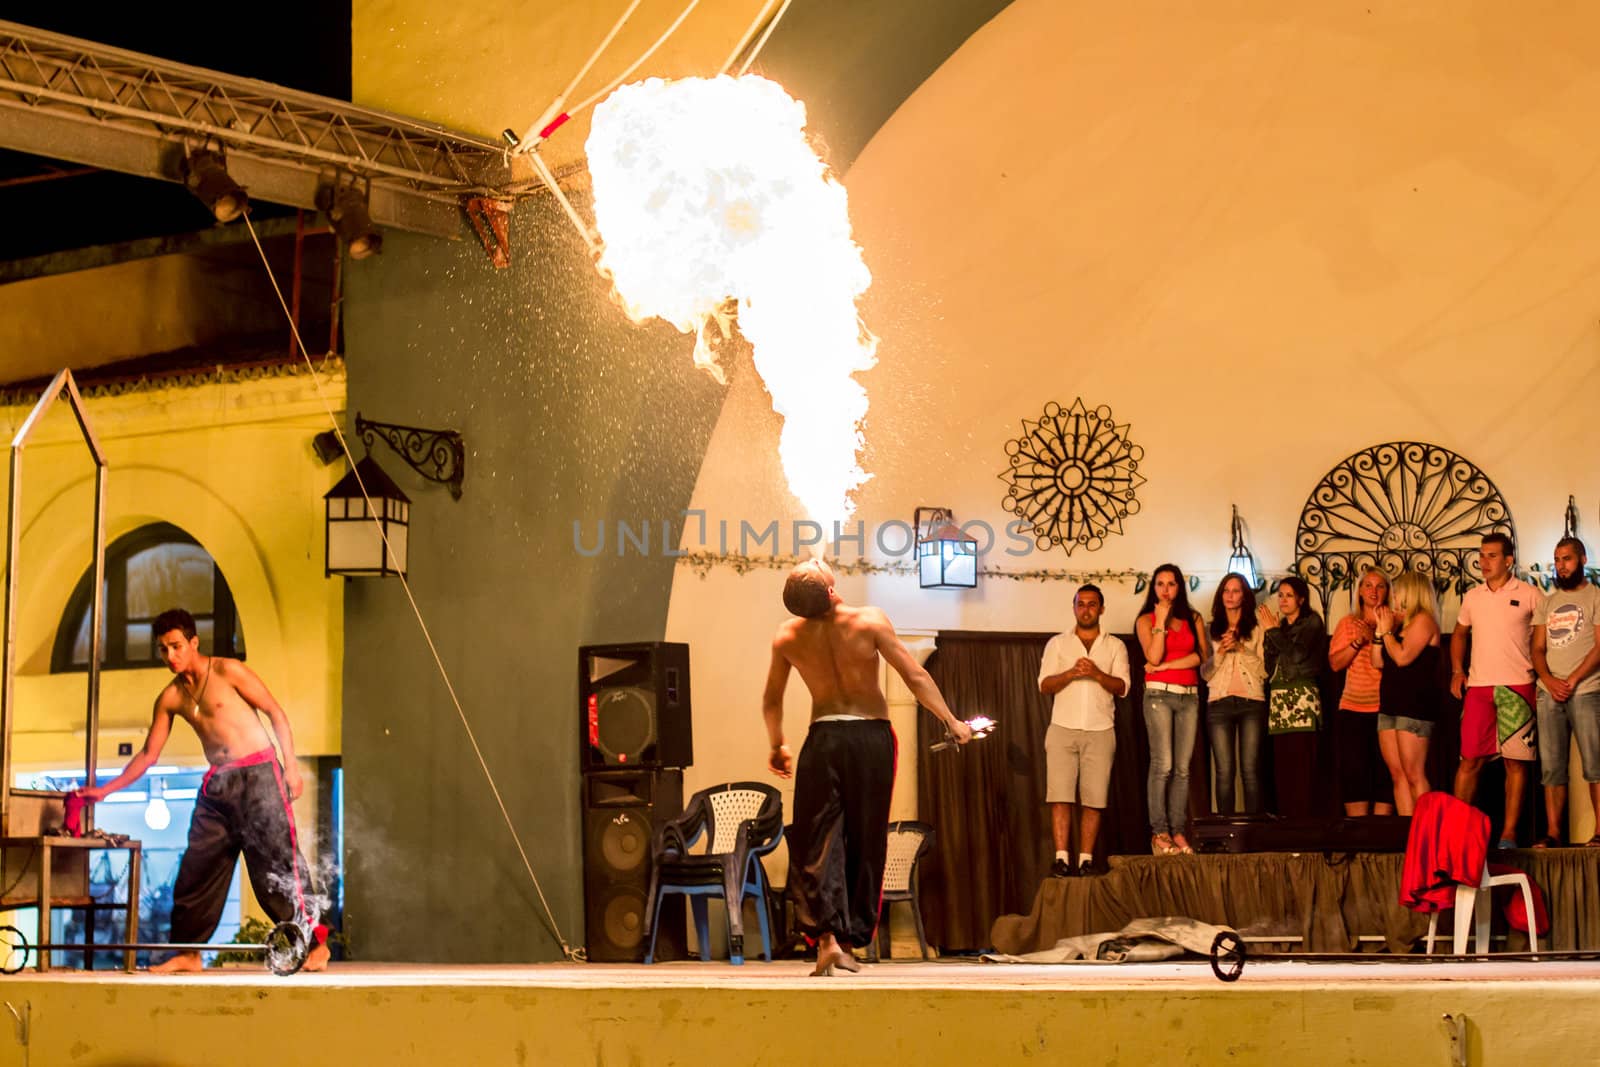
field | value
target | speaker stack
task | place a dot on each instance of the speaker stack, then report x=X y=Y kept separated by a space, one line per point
x=634 y=739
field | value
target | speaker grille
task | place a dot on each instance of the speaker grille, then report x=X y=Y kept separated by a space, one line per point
x=625 y=843
x=623 y=922
x=625 y=723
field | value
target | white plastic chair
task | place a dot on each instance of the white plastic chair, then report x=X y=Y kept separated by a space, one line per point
x=1472 y=903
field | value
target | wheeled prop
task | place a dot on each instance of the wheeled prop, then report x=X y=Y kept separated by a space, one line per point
x=1227 y=956
x=284 y=951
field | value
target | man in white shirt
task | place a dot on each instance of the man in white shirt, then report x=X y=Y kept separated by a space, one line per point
x=1085 y=670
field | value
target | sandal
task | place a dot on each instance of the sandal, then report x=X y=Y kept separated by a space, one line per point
x=1161 y=845
x=1549 y=841
x=1180 y=845
x=1593 y=842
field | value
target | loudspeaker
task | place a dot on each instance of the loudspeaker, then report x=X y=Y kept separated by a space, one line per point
x=634 y=706
x=621 y=810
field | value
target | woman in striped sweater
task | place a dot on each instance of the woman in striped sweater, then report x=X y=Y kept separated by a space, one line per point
x=1364 y=783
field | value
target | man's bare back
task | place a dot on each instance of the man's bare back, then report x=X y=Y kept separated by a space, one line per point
x=843 y=803
x=836 y=648
x=837 y=658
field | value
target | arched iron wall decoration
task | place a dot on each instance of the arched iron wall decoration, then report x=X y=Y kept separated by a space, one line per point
x=1399 y=506
x=1072 y=476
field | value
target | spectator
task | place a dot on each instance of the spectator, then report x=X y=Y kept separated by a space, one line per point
x=1172 y=635
x=1085 y=670
x=1407 y=641
x=1236 y=703
x=1363 y=786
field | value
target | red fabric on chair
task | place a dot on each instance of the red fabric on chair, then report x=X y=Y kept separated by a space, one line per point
x=1516 y=910
x=1447 y=847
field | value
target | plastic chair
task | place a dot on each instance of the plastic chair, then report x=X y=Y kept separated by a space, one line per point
x=909 y=841
x=1472 y=903
x=1447 y=835
x=743 y=821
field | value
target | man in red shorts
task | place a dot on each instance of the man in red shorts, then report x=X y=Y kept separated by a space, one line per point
x=1497 y=710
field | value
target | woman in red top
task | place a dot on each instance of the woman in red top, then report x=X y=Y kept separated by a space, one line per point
x=1173 y=637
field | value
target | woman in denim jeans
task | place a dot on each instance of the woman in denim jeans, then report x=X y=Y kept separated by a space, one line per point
x=1236 y=703
x=1172 y=635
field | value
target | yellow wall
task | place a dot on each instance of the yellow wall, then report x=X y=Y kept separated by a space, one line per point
x=86 y=318
x=486 y=66
x=1265 y=235
x=232 y=465
x=772 y=1015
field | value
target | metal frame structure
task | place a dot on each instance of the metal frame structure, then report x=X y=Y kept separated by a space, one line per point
x=62 y=385
x=438 y=455
x=1398 y=506
x=1072 y=476
x=90 y=103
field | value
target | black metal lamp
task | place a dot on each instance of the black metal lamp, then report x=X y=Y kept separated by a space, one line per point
x=1241 y=562
x=946 y=558
x=367 y=541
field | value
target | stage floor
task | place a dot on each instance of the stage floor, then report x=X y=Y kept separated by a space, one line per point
x=711 y=1014
x=949 y=974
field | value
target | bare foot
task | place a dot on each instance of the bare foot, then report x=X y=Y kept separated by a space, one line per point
x=316 y=959
x=831 y=954
x=182 y=963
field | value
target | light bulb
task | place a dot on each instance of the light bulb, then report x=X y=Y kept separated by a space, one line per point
x=157 y=815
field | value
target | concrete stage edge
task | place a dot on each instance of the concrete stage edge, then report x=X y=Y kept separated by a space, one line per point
x=909 y=1014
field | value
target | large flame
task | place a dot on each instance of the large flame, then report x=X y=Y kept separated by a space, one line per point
x=707 y=195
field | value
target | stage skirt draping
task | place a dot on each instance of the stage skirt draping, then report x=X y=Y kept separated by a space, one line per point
x=1329 y=900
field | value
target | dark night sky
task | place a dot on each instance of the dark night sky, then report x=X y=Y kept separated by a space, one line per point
x=305 y=44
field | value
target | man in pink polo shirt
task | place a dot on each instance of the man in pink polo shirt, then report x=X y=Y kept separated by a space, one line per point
x=1497 y=709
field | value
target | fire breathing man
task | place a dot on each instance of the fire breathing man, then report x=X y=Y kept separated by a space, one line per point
x=244 y=800
x=846 y=769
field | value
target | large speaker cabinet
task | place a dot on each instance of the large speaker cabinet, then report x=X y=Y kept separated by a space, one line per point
x=633 y=706
x=621 y=810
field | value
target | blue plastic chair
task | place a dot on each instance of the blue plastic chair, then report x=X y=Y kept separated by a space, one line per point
x=743 y=821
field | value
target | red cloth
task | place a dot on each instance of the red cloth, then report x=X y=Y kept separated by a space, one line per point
x=1516 y=910
x=73 y=820
x=1448 y=846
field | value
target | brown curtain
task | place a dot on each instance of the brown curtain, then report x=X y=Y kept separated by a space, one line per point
x=985 y=801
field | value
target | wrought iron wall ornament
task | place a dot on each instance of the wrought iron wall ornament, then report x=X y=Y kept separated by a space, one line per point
x=1399 y=506
x=1072 y=476
x=438 y=455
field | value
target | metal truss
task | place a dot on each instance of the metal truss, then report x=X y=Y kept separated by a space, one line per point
x=90 y=103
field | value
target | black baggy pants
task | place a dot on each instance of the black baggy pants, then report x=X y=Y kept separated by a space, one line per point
x=840 y=832
x=239 y=809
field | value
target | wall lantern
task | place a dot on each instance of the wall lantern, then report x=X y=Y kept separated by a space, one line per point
x=1241 y=562
x=946 y=557
x=355 y=546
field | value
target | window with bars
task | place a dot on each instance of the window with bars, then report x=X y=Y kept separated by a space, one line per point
x=148 y=571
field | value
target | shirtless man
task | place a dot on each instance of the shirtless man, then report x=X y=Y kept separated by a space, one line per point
x=840 y=830
x=244 y=799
